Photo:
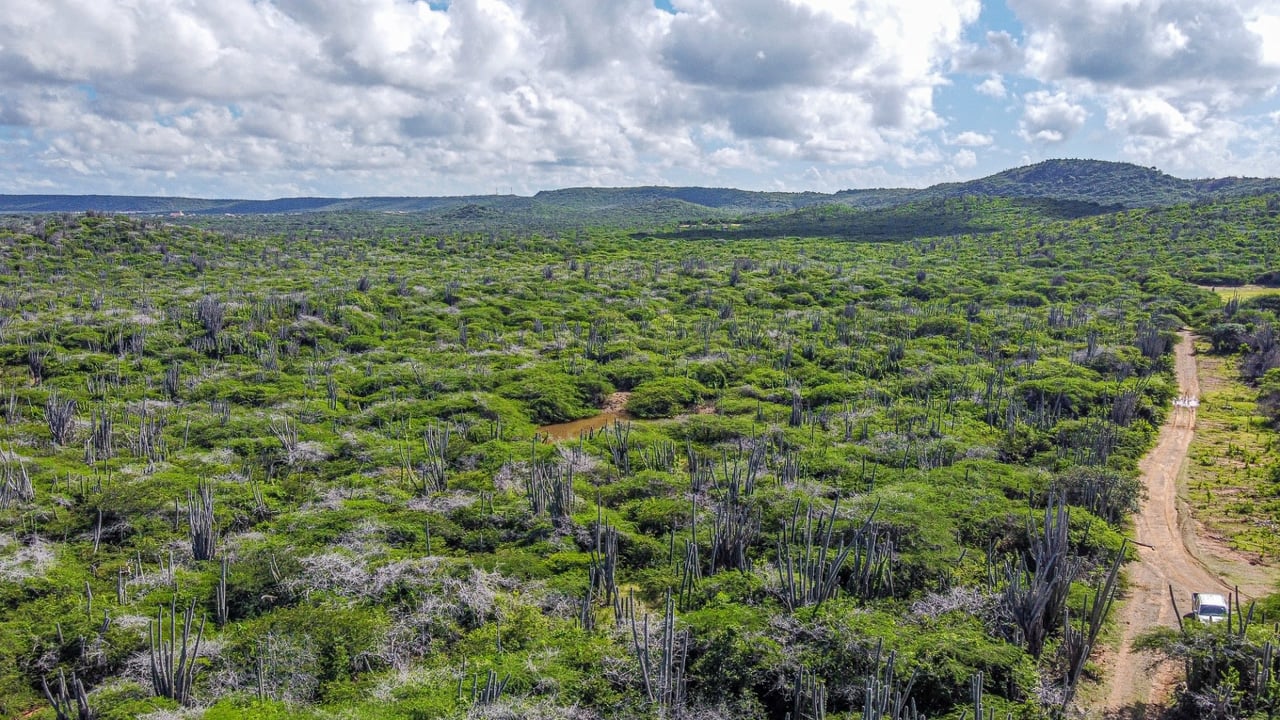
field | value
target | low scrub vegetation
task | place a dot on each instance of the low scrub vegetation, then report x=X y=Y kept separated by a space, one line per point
x=289 y=474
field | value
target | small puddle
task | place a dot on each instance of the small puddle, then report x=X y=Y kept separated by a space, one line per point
x=614 y=409
x=571 y=430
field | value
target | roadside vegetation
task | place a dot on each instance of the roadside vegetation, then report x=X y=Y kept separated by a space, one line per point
x=295 y=471
x=1232 y=470
x=1233 y=474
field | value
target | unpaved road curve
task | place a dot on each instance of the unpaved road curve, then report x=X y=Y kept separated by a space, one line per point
x=1169 y=554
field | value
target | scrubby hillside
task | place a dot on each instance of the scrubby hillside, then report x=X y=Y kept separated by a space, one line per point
x=1068 y=183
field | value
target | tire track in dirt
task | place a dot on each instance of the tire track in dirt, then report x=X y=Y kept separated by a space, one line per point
x=1169 y=553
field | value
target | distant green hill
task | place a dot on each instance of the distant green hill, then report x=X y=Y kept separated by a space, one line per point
x=1102 y=182
x=1060 y=189
x=931 y=217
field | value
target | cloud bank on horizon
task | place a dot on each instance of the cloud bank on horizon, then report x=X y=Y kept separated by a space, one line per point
x=266 y=98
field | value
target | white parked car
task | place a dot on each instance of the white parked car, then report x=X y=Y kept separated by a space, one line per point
x=1209 y=607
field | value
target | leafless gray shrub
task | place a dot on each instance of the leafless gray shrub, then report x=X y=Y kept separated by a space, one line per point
x=340 y=573
x=574 y=457
x=415 y=631
x=285 y=673
x=418 y=572
x=972 y=601
x=529 y=709
x=23 y=561
x=443 y=503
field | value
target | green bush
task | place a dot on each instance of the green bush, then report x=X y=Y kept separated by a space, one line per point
x=342 y=641
x=657 y=515
x=627 y=376
x=359 y=343
x=550 y=396
x=665 y=397
x=128 y=701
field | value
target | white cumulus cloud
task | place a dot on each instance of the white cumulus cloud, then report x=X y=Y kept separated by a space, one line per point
x=1050 y=117
x=1177 y=75
x=993 y=86
x=399 y=97
x=378 y=97
x=964 y=159
x=970 y=138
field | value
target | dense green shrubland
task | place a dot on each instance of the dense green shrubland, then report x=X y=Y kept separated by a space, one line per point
x=844 y=476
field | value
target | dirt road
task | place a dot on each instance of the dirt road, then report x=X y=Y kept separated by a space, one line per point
x=1171 y=552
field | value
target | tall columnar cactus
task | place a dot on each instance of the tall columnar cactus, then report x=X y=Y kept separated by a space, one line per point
x=173 y=658
x=200 y=522
x=60 y=416
x=68 y=700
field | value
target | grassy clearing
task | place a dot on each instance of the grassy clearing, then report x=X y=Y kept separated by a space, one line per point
x=1229 y=461
x=1241 y=292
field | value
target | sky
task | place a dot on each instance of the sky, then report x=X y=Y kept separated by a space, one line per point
x=277 y=98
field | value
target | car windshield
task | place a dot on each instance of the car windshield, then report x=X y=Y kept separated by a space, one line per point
x=1212 y=610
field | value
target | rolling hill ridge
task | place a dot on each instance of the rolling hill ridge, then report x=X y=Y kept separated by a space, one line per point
x=1063 y=188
